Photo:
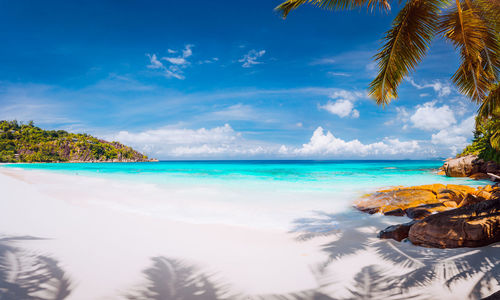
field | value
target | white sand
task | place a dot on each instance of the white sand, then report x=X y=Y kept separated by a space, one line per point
x=104 y=234
x=104 y=246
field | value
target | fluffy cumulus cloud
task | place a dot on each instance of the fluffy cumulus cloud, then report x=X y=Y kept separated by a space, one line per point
x=251 y=58
x=172 y=66
x=455 y=137
x=342 y=103
x=325 y=143
x=430 y=117
x=225 y=142
x=180 y=142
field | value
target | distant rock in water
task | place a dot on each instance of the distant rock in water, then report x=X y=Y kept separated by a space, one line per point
x=470 y=166
x=462 y=166
x=28 y=143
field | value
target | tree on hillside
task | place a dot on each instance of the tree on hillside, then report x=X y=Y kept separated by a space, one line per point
x=472 y=26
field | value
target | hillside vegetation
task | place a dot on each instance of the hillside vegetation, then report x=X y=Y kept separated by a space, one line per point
x=482 y=144
x=28 y=143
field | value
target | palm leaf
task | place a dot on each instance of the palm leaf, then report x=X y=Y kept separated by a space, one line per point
x=286 y=7
x=495 y=138
x=477 y=43
x=406 y=44
x=491 y=104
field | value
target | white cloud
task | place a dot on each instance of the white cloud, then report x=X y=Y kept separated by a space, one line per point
x=338 y=74
x=224 y=141
x=322 y=143
x=323 y=61
x=154 y=63
x=429 y=117
x=343 y=106
x=442 y=89
x=174 y=64
x=344 y=94
x=251 y=58
x=209 y=61
x=371 y=66
x=180 y=142
x=402 y=116
x=456 y=137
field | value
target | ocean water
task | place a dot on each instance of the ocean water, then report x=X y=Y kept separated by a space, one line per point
x=333 y=176
x=270 y=194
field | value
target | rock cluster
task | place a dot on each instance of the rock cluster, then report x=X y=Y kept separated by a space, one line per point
x=419 y=201
x=445 y=216
x=470 y=166
x=473 y=225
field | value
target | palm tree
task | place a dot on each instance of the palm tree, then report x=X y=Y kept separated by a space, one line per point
x=472 y=26
x=489 y=113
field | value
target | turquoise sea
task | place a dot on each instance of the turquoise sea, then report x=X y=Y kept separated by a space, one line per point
x=270 y=194
x=294 y=175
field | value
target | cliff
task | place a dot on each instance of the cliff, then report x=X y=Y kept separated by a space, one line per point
x=28 y=143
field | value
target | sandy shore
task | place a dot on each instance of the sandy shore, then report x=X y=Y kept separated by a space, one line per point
x=104 y=234
x=105 y=247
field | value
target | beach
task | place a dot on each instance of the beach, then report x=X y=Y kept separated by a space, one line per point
x=109 y=236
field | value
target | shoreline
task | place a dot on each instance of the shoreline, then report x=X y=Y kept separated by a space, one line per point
x=90 y=220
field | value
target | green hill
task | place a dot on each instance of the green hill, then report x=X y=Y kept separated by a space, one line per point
x=28 y=143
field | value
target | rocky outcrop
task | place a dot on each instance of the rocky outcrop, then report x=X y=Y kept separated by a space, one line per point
x=472 y=225
x=470 y=166
x=422 y=211
x=420 y=201
x=462 y=166
x=445 y=216
x=396 y=232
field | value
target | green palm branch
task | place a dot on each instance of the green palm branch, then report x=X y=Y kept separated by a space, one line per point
x=472 y=26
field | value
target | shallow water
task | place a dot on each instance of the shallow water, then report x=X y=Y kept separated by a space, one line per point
x=331 y=176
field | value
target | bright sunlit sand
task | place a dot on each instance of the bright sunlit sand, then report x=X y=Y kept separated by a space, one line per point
x=105 y=233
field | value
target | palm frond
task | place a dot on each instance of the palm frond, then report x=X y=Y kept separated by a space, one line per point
x=477 y=42
x=489 y=10
x=406 y=44
x=495 y=138
x=491 y=103
x=286 y=7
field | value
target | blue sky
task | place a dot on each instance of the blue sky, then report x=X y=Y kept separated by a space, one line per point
x=223 y=79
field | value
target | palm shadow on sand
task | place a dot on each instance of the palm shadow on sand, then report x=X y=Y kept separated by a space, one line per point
x=27 y=275
x=355 y=232
x=345 y=234
x=172 y=279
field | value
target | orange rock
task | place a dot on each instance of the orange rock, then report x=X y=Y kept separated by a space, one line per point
x=478 y=176
x=389 y=200
x=435 y=188
x=451 y=195
x=461 y=188
x=451 y=204
x=441 y=173
x=471 y=199
x=488 y=188
x=482 y=194
x=474 y=225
